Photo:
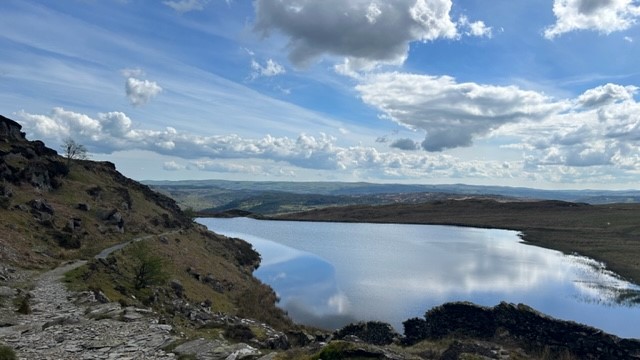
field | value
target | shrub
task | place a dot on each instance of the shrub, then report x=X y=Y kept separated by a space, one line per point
x=23 y=305
x=240 y=333
x=148 y=268
x=7 y=353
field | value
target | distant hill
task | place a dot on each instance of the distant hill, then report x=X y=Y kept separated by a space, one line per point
x=280 y=197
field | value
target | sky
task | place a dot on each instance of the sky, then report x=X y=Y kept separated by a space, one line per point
x=535 y=93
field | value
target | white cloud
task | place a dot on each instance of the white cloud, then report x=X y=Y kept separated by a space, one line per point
x=451 y=113
x=603 y=16
x=281 y=156
x=367 y=33
x=628 y=39
x=140 y=92
x=373 y=12
x=222 y=167
x=606 y=94
x=592 y=145
x=602 y=132
x=477 y=28
x=270 y=68
x=183 y=6
x=172 y=166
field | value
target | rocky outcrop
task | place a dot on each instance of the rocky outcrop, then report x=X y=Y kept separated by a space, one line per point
x=10 y=130
x=372 y=332
x=29 y=162
x=522 y=324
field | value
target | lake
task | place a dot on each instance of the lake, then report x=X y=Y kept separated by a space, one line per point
x=331 y=274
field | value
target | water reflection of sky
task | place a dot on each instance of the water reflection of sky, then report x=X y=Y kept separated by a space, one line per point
x=329 y=274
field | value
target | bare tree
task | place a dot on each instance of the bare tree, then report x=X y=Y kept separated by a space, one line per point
x=74 y=151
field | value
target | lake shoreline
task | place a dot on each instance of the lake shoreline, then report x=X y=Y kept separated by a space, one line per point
x=606 y=233
x=365 y=249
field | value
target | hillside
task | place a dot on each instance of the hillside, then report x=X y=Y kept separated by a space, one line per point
x=54 y=210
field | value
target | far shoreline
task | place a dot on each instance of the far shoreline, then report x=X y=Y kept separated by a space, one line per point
x=609 y=234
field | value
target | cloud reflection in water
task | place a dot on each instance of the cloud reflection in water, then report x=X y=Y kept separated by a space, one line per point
x=305 y=283
x=329 y=274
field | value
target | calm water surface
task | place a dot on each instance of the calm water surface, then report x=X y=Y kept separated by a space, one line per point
x=330 y=274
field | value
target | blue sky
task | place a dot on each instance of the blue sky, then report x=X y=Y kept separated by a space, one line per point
x=520 y=93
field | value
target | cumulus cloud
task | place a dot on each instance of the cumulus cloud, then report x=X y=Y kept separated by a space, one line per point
x=109 y=132
x=365 y=32
x=183 y=6
x=604 y=16
x=270 y=68
x=606 y=94
x=601 y=131
x=139 y=92
x=594 y=136
x=451 y=113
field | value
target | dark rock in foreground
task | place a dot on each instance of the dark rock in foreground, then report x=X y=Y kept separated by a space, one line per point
x=520 y=323
x=372 y=332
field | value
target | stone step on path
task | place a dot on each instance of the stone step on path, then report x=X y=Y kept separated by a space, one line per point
x=59 y=329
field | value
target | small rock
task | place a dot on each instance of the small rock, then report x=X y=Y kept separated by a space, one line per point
x=101 y=297
x=177 y=287
x=83 y=207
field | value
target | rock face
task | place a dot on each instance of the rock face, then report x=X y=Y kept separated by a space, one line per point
x=523 y=324
x=10 y=130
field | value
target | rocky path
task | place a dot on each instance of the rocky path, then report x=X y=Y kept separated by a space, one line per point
x=76 y=326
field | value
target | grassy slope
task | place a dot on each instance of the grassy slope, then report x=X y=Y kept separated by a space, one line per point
x=27 y=242
x=608 y=233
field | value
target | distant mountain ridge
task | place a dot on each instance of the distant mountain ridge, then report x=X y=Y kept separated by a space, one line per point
x=265 y=197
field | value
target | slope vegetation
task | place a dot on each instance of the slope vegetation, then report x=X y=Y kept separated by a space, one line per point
x=54 y=209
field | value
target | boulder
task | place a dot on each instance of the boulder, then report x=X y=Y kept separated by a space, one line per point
x=372 y=332
x=216 y=350
x=83 y=207
x=41 y=205
x=177 y=287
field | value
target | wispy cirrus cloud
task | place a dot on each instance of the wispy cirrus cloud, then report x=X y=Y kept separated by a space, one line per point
x=183 y=6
